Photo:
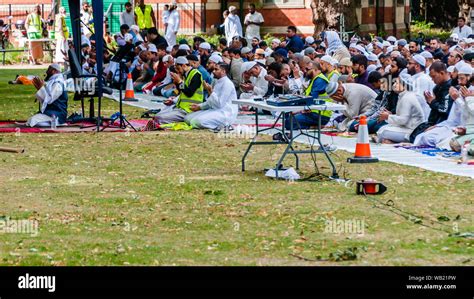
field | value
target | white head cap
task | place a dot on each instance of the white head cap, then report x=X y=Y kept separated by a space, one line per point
x=427 y=55
x=184 y=47
x=328 y=59
x=181 y=60
x=205 y=46
x=152 y=48
x=128 y=37
x=420 y=60
x=246 y=66
x=55 y=66
x=392 y=39
x=215 y=58
x=466 y=69
x=309 y=40
x=167 y=58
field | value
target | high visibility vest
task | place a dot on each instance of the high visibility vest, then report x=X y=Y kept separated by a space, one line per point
x=64 y=28
x=144 y=20
x=332 y=74
x=184 y=101
x=322 y=96
x=36 y=24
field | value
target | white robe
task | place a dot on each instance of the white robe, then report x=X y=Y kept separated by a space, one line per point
x=260 y=86
x=422 y=83
x=218 y=110
x=50 y=92
x=440 y=135
x=253 y=30
x=232 y=27
x=172 y=28
x=409 y=115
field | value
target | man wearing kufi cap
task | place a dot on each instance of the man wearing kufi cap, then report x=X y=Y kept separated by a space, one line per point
x=422 y=82
x=172 y=25
x=345 y=66
x=52 y=96
x=256 y=86
x=204 y=50
x=328 y=67
x=232 y=25
x=191 y=91
x=408 y=116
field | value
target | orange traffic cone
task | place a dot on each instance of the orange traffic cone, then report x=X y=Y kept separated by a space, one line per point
x=362 y=152
x=129 y=91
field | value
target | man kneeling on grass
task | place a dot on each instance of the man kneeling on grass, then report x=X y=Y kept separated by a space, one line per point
x=52 y=96
x=190 y=85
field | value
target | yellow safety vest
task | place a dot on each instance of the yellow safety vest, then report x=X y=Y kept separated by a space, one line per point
x=322 y=96
x=144 y=20
x=332 y=74
x=35 y=25
x=184 y=101
x=65 y=29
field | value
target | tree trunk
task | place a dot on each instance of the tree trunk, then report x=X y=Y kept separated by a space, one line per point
x=326 y=14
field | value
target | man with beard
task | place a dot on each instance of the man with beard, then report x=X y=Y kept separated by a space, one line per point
x=256 y=86
x=444 y=130
x=253 y=21
x=190 y=85
x=421 y=81
x=439 y=100
x=359 y=67
x=52 y=96
x=172 y=25
x=218 y=111
x=317 y=89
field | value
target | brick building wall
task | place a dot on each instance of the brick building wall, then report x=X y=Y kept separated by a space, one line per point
x=389 y=16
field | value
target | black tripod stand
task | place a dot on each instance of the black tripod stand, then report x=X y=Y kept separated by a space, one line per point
x=119 y=58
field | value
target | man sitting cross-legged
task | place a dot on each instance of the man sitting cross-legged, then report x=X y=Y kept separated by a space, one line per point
x=52 y=96
x=218 y=111
x=190 y=85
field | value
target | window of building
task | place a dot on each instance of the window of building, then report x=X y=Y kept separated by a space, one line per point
x=285 y=3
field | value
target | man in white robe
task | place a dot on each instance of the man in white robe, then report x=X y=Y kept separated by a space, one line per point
x=218 y=111
x=253 y=21
x=52 y=96
x=408 y=116
x=172 y=25
x=257 y=86
x=440 y=134
x=422 y=82
x=232 y=25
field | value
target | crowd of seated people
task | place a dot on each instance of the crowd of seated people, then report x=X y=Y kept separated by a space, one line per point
x=418 y=91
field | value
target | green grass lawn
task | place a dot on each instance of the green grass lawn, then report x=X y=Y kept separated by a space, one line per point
x=179 y=198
